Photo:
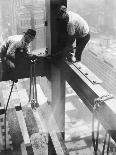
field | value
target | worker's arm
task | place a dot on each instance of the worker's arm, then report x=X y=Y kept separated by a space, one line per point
x=4 y=48
x=28 y=53
x=31 y=54
x=71 y=29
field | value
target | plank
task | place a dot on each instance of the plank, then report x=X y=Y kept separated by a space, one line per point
x=1 y=136
x=42 y=115
x=15 y=103
x=23 y=149
x=46 y=116
x=54 y=131
x=23 y=127
x=43 y=147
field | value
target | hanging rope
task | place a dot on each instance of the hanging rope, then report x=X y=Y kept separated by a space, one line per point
x=97 y=104
x=106 y=142
x=104 y=145
x=95 y=139
x=33 y=89
x=108 y=147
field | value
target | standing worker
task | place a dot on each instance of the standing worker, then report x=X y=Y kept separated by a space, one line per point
x=14 y=50
x=77 y=29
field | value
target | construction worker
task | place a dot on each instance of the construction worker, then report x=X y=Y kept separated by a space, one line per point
x=77 y=29
x=14 y=50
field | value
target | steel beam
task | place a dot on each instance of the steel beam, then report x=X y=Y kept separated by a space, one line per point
x=88 y=92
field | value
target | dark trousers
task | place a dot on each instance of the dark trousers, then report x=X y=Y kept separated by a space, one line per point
x=81 y=43
x=9 y=71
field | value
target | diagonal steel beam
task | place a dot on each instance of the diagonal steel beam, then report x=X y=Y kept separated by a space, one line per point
x=88 y=92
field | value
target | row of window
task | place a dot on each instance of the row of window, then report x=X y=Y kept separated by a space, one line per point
x=27 y=23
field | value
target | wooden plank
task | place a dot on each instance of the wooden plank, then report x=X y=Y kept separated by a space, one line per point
x=1 y=136
x=15 y=103
x=54 y=131
x=46 y=115
x=37 y=149
x=23 y=149
x=43 y=132
x=23 y=127
x=43 y=116
x=40 y=123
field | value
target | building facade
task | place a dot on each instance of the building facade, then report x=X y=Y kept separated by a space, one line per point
x=29 y=14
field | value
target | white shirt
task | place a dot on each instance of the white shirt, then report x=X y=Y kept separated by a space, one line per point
x=77 y=25
x=10 y=45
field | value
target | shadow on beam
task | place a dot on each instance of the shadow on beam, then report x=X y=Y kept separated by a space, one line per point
x=42 y=68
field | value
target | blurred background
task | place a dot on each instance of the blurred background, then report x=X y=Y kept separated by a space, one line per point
x=99 y=56
x=16 y=16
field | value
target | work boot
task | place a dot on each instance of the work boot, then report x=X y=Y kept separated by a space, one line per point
x=71 y=59
x=78 y=56
x=71 y=56
x=78 y=59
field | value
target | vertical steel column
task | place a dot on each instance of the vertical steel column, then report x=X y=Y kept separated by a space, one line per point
x=57 y=79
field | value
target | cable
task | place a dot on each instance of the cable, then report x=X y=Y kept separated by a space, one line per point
x=30 y=82
x=108 y=144
x=104 y=145
x=95 y=140
x=108 y=147
x=33 y=89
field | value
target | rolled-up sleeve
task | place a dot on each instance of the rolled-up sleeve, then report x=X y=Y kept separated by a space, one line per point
x=70 y=29
x=4 y=48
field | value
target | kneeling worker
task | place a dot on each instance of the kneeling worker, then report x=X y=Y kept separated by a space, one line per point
x=13 y=50
x=77 y=29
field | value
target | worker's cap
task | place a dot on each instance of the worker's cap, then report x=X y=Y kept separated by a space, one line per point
x=62 y=9
x=63 y=13
x=30 y=32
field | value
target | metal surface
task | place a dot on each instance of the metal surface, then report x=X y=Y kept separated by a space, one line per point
x=88 y=92
x=87 y=73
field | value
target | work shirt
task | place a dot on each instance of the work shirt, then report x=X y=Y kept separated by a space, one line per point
x=77 y=25
x=13 y=45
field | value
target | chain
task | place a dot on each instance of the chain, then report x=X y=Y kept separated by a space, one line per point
x=33 y=89
x=97 y=104
x=99 y=101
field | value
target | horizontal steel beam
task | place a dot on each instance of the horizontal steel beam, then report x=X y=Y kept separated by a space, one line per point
x=88 y=92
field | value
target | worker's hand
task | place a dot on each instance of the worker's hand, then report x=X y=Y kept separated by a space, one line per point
x=43 y=52
x=32 y=57
x=11 y=71
x=10 y=64
x=14 y=79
